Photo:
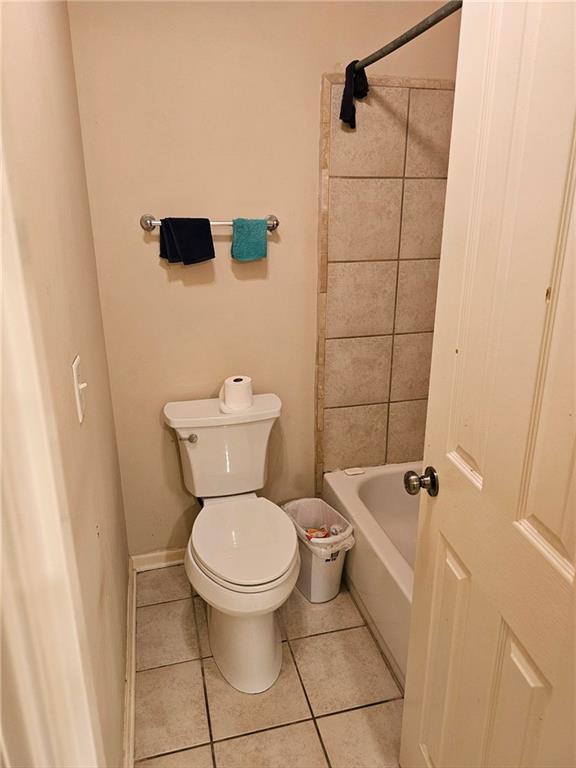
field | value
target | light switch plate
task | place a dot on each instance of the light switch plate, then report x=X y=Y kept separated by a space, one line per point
x=79 y=389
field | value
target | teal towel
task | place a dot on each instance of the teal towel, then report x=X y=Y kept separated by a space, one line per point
x=249 y=239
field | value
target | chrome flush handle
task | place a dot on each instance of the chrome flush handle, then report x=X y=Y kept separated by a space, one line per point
x=190 y=439
x=429 y=481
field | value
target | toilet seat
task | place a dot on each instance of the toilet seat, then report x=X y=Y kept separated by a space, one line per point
x=247 y=544
x=256 y=589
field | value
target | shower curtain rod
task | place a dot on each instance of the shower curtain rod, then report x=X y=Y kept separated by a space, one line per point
x=438 y=15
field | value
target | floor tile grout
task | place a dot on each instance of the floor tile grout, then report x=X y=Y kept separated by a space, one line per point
x=206 y=704
x=170 y=664
x=204 y=687
x=359 y=706
x=164 y=602
x=328 y=632
x=263 y=730
x=324 y=750
x=171 y=752
x=288 y=640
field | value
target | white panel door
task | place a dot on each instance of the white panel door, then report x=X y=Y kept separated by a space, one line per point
x=491 y=662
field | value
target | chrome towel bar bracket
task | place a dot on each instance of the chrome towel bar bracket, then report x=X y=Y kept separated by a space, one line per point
x=149 y=223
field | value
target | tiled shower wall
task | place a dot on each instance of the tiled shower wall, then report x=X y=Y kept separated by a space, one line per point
x=381 y=209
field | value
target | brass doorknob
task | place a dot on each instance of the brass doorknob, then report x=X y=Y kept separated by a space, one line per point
x=429 y=481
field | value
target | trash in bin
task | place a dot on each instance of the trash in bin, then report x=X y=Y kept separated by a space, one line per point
x=324 y=537
x=317 y=533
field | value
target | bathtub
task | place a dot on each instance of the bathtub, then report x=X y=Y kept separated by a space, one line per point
x=379 y=569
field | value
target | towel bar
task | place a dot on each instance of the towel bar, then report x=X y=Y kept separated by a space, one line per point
x=149 y=222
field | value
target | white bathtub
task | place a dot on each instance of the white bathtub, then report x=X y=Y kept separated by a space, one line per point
x=380 y=567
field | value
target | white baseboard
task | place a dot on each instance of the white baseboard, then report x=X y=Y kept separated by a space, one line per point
x=158 y=559
x=128 y=761
x=138 y=563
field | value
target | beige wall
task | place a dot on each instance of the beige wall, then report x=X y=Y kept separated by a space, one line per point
x=44 y=163
x=213 y=109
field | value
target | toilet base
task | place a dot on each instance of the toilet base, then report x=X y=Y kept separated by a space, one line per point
x=246 y=649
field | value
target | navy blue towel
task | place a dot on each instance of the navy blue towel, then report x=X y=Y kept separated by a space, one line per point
x=188 y=241
x=355 y=87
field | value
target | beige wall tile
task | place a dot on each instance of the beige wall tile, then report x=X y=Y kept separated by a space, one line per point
x=170 y=709
x=357 y=370
x=411 y=366
x=297 y=746
x=364 y=219
x=416 y=296
x=355 y=437
x=361 y=294
x=429 y=127
x=360 y=300
x=342 y=670
x=406 y=428
x=422 y=218
x=376 y=147
x=369 y=737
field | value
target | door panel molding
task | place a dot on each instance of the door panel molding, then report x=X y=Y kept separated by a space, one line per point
x=449 y=607
x=519 y=697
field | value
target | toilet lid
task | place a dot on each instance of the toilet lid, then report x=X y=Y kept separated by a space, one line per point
x=245 y=541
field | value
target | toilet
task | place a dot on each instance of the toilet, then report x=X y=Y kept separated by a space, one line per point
x=242 y=556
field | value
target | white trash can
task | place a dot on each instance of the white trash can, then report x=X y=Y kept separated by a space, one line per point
x=322 y=559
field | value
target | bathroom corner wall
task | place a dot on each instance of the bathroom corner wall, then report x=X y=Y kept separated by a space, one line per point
x=381 y=210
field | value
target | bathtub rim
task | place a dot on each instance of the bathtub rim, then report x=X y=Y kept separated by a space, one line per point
x=346 y=488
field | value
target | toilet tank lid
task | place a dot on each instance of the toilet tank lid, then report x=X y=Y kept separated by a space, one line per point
x=207 y=413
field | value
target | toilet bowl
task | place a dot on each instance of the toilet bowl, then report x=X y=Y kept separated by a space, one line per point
x=242 y=559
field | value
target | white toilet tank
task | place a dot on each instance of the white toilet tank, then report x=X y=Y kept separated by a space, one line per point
x=223 y=453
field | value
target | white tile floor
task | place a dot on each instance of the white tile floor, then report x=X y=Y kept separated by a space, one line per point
x=335 y=704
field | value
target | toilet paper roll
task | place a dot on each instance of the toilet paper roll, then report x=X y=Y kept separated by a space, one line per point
x=236 y=394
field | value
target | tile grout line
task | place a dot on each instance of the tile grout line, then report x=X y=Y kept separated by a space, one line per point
x=377 y=335
x=324 y=750
x=171 y=752
x=208 y=718
x=397 y=279
x=328 y=632
x=263 y=730
x=415 y=259
x=379 y=402
x=173 y=663
x=393 y=178
x=204 y=687
x=163 y=602
x=359 y=706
